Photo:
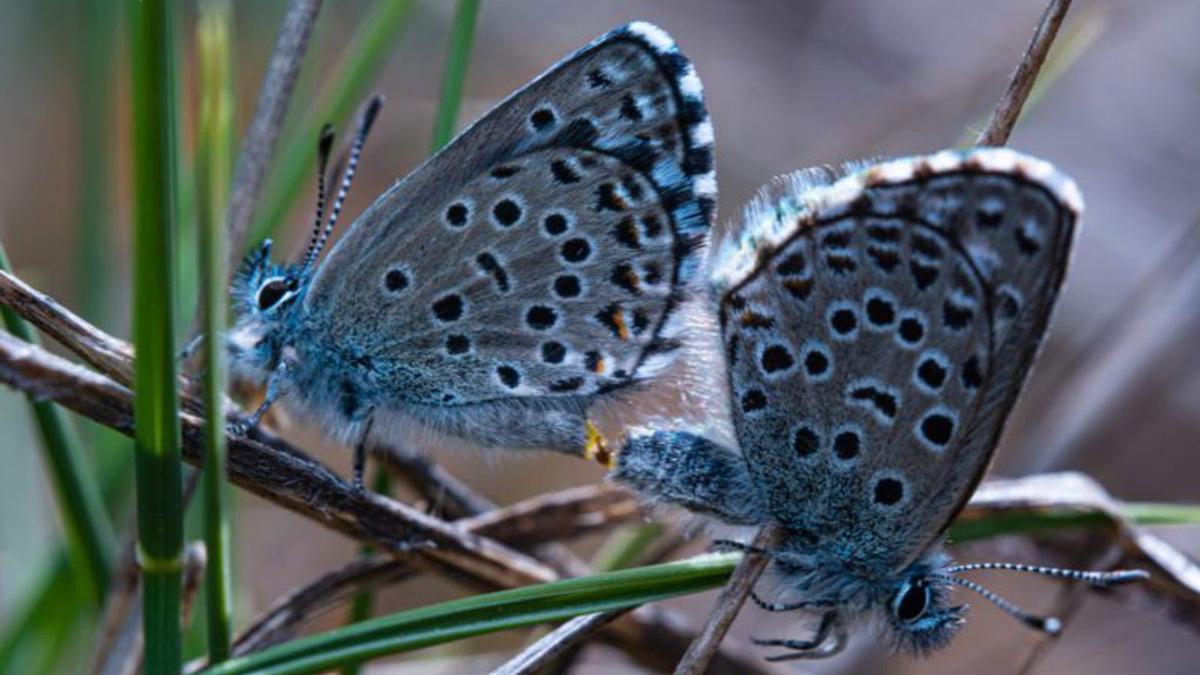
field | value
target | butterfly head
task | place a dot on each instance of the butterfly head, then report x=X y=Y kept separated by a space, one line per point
x=266 y=294
x=919 y=613
x=923 y=621
x=265 y=297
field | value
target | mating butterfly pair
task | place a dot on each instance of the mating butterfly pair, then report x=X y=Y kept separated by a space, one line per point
x=877 y=322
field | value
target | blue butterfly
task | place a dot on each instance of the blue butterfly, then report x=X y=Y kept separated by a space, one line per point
x=510 y=283
x=878 y=323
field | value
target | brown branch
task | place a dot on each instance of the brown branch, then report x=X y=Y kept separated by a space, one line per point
x=279 y=622
x=562 y=515
x=103 y=352
x=117 y=648
x=1004 y=116
x=290 y=479
x=556 y=515
x=695 y=661
x=279 y=472
x=554 y=644
x=436 y=485
x=258 y=146
x=648 y=634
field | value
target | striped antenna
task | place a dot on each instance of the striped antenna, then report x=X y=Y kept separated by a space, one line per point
x=324 y=146
x=1114 y=578
x=1046 y=624
x=360 y=138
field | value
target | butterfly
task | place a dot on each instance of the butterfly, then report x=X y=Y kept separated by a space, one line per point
x=878 y=322
x=529 y=270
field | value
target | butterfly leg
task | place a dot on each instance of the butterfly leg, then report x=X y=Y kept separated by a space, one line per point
x=360 y=454
x=690 y=471
x=789 y=606
x=189 y=350
x=812 y=647
x=276 y=384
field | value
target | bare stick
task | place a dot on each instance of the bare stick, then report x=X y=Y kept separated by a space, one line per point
x=702 y=649
x=103 y=352
x=543 y=652
x=279 y=621
x=1004 y=116
x=258 y=146
x=285 y=475
x=290 y=479
x=455 y=498
x=118 y=641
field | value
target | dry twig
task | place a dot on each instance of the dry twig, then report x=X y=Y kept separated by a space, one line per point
x=1008 y=110
x=279 y=472
x=562 y=515
x=725 y=610
x=542 y=653
x=258 y=145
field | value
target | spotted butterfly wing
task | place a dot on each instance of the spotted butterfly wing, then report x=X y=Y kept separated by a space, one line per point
x=542 y=253
x=878 y=328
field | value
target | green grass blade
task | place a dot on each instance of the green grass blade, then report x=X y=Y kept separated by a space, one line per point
x=214 y=170
x=503 y=610
x=1029 y=522
x=90 y=536
x=462 y=37
x=366 y=52
x=486 y=613
x=159 y=499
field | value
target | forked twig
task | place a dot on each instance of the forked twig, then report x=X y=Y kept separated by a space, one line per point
x=563 y=515
x=279 y=472
x=279 y=621
x=1008 y=110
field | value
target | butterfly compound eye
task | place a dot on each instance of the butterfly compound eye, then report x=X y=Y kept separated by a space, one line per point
x=271 y=293
x=912 y=602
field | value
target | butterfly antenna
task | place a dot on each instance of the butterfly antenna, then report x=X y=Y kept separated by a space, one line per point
x=324 y=147
x=1047 y=624
x=1101 y=579
x=360 y=138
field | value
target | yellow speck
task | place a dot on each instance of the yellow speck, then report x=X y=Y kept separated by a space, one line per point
x=597 y=448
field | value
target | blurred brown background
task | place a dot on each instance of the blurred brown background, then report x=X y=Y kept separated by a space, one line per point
x=789 y=84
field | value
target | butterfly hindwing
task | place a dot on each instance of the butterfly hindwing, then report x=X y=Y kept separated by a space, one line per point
x=878 y=330
x=545 y=250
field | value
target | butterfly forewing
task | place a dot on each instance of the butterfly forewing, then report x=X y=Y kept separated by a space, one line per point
x=544 y=251
x=878 y=344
